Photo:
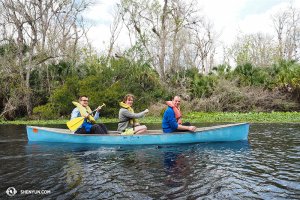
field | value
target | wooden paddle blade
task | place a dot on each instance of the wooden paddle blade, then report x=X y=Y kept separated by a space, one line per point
x=75 y=123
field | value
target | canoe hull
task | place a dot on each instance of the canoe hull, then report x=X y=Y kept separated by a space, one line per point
x=217 y=134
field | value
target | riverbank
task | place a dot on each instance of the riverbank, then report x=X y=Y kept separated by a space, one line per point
x=194 y=117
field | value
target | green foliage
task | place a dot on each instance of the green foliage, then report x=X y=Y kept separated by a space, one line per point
x=288 y=77
x=222 y=69
x=288 y=72
x=99 y=94
x=109 y=82
x=251 y=76
x=46 y=111
x=110 y=85
x=11 y=48
x=195 y=117
x=191 y=72
x=62 y=98
x=202 y=86
x=283 y=117
x=162 y=111
x=61 y=71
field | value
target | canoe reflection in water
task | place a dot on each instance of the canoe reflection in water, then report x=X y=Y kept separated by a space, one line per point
x=148 y=171
x=198 y=164
x=177 y=167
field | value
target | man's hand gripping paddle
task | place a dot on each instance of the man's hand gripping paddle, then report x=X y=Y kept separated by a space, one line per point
x=77 y=122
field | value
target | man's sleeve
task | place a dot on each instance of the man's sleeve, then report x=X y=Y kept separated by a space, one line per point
x=96 y=117
x=75 y=114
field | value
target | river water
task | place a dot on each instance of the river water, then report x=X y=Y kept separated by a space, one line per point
x=266 y=166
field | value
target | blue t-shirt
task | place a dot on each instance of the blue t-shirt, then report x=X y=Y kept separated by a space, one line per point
x=169 y=123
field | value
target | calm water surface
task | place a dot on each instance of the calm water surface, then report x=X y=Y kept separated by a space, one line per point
x=267 y=166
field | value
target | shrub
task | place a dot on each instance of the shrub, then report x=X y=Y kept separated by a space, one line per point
x=251 y=75
x=202 y=86
x=227 y=97
x=288 y=77
x=46 y=111
x=62 y=98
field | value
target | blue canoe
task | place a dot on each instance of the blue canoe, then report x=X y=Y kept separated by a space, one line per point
x=222 y=133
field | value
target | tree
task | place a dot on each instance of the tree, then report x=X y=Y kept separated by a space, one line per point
x=258 y=49
x=286 y=23
x=162 y=29
x=292 y=37
x=280 y=21
x=206 y=40
x=184 y=17
x=48 y=29
x=115 y=29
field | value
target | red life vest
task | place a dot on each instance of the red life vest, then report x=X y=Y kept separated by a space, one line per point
x=176 y=110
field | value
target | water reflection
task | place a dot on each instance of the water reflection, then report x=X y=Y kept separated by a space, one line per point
x=151 y=171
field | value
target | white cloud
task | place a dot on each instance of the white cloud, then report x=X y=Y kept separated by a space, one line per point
x=99 y=34
x=101 y=12
x=222 y=12
x=250 y=16
x=252 y=24
x=230 y=21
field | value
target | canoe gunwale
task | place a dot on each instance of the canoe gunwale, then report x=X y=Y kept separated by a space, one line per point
x=115 y=133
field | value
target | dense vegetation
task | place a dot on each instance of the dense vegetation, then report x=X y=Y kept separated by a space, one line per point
x=244 y=89
x=46 y=64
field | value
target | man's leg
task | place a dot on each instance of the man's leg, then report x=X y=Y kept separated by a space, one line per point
x=103 y=128
x=98 y=129
x=184 y=124
x=81 y=131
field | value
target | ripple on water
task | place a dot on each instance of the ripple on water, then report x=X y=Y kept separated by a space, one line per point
x=266 y=166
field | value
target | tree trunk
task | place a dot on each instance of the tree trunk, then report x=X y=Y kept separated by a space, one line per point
x=20 y=53
x=163 y=43
x=28 y=94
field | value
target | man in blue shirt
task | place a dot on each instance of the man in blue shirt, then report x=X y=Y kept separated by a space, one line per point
x=86 y=127
x=171 y=123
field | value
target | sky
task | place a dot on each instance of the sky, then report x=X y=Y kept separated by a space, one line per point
x=228 y=16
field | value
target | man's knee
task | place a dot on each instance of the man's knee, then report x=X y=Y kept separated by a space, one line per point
x=187 y=124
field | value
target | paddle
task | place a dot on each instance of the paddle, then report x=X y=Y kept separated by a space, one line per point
x=139 y=121
x=75 y=123
x=142 y=119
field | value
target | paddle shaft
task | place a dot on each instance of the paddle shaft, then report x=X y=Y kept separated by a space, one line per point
x=95 y=110
x=142 y=118
x=139 y=121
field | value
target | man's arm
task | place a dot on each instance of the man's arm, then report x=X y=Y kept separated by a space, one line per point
x=190 y=128
x=96 y=117
x=75 y=113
